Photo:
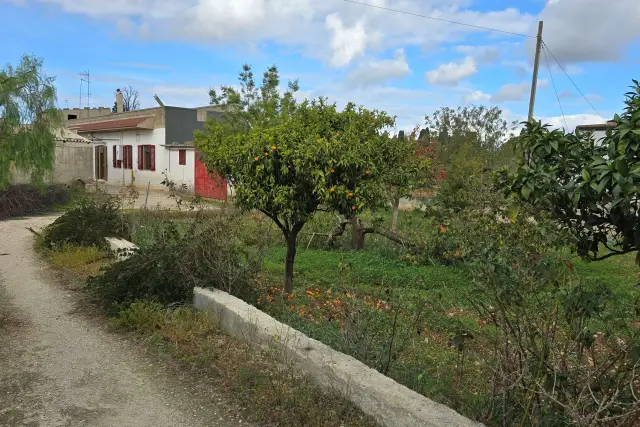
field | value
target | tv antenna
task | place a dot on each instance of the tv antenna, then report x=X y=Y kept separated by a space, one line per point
x=84 y=77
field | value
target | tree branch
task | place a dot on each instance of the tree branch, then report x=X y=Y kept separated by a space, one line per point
x=609 y=255
x=277 y=221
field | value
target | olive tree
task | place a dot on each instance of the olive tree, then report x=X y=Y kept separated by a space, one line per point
x=592 y=188
x=289 y=159
x=28 y=120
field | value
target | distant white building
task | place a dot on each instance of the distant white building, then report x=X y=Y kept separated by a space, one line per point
x=144 y=146
x=599 y=130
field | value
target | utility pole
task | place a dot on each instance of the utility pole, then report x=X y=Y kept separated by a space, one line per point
x=536 y=64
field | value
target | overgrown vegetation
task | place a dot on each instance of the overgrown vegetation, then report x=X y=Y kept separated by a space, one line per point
x=271 y=393
x=485 y=308
x=207 y=254
x=86 y=225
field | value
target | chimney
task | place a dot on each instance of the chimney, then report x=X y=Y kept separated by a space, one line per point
x=119 y=101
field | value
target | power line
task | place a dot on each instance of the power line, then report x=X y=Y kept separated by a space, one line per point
x=571 y=80
x=544 y=50
x=439 y=19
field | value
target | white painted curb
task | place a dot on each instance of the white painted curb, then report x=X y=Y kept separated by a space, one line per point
x=121 y=247
x=390 y=403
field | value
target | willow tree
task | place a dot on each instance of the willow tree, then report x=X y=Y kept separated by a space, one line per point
x=289 y=159
x=28 y=120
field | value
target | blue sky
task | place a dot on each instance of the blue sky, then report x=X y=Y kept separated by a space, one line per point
x=406 y=65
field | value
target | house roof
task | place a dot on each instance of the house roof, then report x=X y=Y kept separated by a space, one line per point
x=598 y=126
x=66 y=135
x=110 y=125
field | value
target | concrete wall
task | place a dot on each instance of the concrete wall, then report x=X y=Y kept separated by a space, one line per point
x=72 y=161
x=392 y=404
x=157 y=112
x=180 y=124
x=84 y=113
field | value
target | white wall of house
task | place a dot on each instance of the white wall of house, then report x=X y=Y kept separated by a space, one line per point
x=166 y=160
x=181 y=174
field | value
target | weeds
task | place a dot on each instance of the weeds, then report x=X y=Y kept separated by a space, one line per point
x=83 y=260
x=273 y=394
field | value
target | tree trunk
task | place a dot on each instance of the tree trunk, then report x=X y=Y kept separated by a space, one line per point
x=291 y=256
x=357 y=234
x=394 y=220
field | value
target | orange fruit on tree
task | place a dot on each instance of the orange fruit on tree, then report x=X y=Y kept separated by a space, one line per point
x=353 y=208
x=266 y=153
x=350 y=195
x=273 y=147
x=332 y=171
x=332 y=189
x=256 y=158
x=367 y=172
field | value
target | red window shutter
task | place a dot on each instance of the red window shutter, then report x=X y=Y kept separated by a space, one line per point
x=152 y=149
x=182 y=157
x=140 y=156
x=129 y=153
x=114 y=160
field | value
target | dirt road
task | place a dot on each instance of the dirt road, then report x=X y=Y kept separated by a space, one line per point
x=58 y=368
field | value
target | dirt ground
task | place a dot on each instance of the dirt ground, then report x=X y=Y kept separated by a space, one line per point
x=60 y=368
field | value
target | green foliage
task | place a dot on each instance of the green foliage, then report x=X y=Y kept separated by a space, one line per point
x=407 y=170
x=466 y=178
x=28 y=120
x=484 y=128
x=86 y=225
x=288 y=159
x=550 y=334
x=591 y=188
x=168 y=271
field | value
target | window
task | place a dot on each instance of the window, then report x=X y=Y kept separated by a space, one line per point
x=127 y=157
x=114 y=159
x=147 y=157
x=72 y=116
x=182 y=157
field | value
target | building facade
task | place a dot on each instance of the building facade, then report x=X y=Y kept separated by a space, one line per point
x=146 y=146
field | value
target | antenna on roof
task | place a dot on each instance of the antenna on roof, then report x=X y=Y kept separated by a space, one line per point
x=158 y=100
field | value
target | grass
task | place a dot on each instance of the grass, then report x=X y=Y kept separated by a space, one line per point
x=352 y=300
x=272 y=393
x=84 y=261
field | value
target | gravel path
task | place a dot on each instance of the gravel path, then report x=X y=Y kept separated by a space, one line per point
x=58 y=368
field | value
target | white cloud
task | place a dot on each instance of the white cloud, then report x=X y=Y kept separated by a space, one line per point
x=476 y=96
x=332 y=30
x=378 y=71
x=450 y=74
x=590 y=30
x=482 y=54
x=346 y=43
x=569 y=122
x=512 y=92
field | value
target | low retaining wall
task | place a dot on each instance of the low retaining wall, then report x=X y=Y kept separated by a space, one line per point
x=392 y=404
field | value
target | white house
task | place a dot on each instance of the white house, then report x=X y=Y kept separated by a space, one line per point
x=143 y=146
x=599 y=130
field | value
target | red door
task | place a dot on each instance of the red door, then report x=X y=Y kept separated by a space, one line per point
x=209 y=186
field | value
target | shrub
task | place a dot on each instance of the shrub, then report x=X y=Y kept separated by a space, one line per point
x=168 y=272
x=86 y=225
x=22 y=200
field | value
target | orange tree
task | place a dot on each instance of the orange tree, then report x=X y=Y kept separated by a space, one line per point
x=591 y=188
x=289 y=159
